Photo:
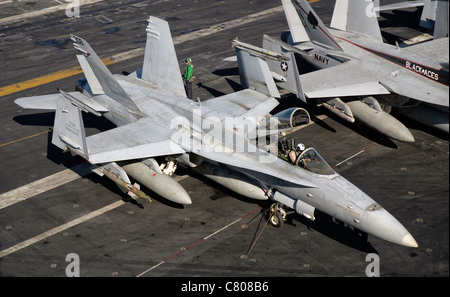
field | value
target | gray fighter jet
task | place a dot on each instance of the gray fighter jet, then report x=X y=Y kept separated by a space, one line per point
x=156 y=122
x=360 y=76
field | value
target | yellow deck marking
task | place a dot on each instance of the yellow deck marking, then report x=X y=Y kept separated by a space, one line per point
x=31 y=136
x=140 y=51
x=45 y=79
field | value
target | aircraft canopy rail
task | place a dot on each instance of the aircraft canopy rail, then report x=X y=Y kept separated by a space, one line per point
x=312 y=161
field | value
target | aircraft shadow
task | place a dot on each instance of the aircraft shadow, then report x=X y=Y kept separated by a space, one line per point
x=400 y=18
x=212 y=91
x=411 y=124
x=227 y=71
x=76 y=163
x=322 y=224
x=48 y=119
x=325 y=225
x=221 y=191
x=36 y=119
x=365 y=131
x=215 y=93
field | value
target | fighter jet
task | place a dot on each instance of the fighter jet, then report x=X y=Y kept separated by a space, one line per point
x=155 y=121
x=359 y=75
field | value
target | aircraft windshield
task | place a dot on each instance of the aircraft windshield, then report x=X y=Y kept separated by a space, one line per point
x=312 y=161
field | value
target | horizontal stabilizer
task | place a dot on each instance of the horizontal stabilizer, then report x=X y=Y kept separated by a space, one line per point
x=38 y=102
x=84 y=103
x=399 y=5
x=49 y=102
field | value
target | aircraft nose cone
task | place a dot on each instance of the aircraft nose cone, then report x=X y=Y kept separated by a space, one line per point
x=382 y=224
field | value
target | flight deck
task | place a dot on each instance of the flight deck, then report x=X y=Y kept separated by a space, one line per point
x=52 y=207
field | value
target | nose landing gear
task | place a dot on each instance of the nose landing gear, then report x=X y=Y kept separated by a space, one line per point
x=277 y=215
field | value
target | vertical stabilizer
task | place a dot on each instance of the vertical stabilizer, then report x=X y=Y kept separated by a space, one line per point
x=99 y=77
x=255 y=74
x=287 y=69
x=356 y=16
x=68 y=130
x=314 y=26
x=428 y=17
x=441 y=23
x=296 y=28
x=160 y=60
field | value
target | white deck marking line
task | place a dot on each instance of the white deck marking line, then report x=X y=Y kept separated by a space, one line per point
x=48 y=183
x=221 y=229
x=358 y=153
x=70 y=224
x=151 y=268
x=32 y=14
x=137 y=52
x=60 y=228
x=43 y=185
x=202 y=33
x=201 y=240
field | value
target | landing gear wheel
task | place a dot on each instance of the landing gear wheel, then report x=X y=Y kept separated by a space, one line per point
x=276 y=219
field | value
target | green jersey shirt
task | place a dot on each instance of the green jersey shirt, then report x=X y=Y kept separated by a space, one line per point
x=188 y=72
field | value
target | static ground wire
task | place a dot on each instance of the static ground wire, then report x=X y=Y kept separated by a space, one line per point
x=255 y=236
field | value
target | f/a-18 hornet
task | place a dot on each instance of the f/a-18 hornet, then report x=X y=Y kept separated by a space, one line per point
x=359 y=75
x=155 y=121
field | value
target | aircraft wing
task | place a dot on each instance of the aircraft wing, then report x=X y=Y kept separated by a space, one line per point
x=142 y=139
x=258 y=164
x=437 y=48
x=245 y=103
x=400 y=5
x=347 y=79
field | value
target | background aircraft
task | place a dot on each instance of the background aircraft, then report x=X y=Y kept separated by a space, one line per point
x=360 y=76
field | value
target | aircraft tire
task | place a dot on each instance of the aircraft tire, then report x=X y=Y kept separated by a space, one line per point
x=276 y=219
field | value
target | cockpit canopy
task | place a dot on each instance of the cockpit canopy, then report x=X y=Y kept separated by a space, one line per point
x=312 y=161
